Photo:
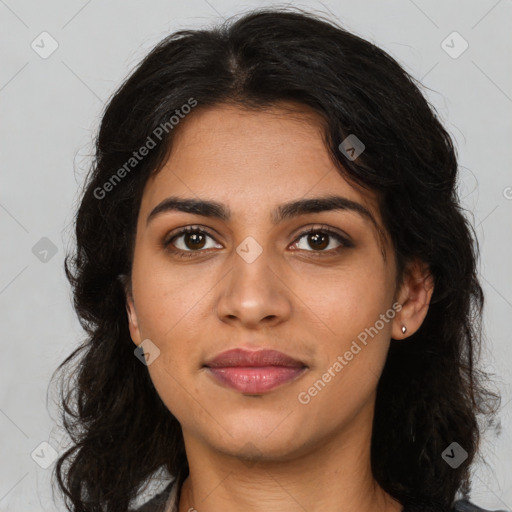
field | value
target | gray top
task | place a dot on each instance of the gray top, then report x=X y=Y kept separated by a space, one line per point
x=167 y=501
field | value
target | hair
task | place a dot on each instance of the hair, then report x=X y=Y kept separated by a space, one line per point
x=430 y=392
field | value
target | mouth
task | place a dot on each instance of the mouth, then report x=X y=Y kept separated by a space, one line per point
x=254 y=372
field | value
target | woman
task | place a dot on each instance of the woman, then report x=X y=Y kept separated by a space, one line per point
x=273 y=204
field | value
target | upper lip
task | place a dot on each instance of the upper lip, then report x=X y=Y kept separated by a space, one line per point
x=255 y=358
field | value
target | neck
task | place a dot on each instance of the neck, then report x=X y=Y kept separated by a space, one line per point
x=335 y=475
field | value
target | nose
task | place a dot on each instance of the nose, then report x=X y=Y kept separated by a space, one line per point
x=254 y=294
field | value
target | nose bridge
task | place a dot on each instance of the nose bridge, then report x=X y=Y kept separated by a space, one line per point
x=253 y=289
x=250 y=274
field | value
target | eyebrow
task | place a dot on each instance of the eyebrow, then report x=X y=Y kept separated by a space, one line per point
x=285 y=211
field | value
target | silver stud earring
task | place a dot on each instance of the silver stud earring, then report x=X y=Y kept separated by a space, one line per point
x=404 y=329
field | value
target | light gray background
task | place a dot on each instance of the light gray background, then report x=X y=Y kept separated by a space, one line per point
x=51 y=106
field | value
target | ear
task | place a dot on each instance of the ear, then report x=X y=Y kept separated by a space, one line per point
x=414 y=295
x=133 y=323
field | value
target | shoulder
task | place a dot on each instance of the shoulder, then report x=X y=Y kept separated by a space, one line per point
x=158 y=502
x=467 y=506
x=458 y=506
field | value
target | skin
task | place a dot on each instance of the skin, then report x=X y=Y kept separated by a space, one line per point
x=268 y=452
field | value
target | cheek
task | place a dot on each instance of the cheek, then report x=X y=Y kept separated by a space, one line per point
x=171 y=312
x=348 y=299
x=174 y=390
x=167 y=299
x=354 y=338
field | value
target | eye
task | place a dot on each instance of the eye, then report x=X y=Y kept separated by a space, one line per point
x=318 y=238
x=193 y=240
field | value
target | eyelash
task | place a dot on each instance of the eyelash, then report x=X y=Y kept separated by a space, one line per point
x=167 y=243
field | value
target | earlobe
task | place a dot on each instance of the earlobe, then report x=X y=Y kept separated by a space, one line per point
x=415 y=296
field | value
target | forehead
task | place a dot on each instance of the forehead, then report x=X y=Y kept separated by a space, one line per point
x=252 y=162
x=251 y=159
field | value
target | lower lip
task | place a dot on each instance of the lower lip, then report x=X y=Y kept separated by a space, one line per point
x=256 y=379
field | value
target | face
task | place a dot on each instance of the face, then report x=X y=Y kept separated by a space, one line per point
x=252 y=279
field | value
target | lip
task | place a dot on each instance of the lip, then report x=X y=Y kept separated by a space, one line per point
x=243 y=357
x=254 y=371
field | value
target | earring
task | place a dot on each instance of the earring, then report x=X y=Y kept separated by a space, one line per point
x=404 y=329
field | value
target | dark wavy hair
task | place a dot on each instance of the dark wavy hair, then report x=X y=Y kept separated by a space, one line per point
x=430 y=393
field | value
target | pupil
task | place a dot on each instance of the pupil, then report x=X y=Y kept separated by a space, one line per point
x=194 y=237
x=316 y=238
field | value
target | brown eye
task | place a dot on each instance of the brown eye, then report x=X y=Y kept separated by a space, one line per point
x=196 y=240
x=319 y=239
x=188 y=240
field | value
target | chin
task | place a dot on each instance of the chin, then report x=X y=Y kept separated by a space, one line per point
x=258 y=438
x=256 y=449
